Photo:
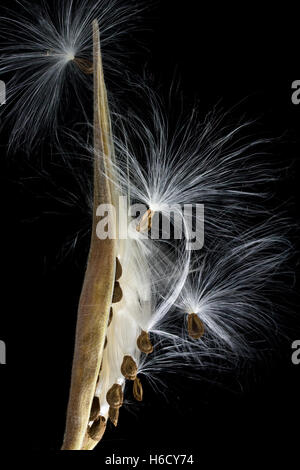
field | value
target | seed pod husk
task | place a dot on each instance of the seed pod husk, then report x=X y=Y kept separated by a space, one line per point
x=114 y=396
x=144 y=344
x=138 y=389
x=195 y=326
x=97 y=429
x=95 y=410
x=129 y=368
x=118 y=293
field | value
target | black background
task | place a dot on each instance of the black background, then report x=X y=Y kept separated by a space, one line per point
x=222 y=55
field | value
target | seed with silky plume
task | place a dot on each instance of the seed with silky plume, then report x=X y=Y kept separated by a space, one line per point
x=119 y=269
x=114 y=396
x=97 y=429
x=95 y=410
x=113 y=414
x=118 y=293
x=195 y=326
x=144 y=344
x=84 y=65
x=138 y=389
x=146 y=221
x=111 y=314
x=129 y=368
x=41 y=40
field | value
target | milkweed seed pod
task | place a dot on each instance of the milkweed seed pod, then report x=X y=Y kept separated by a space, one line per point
x=148 y=305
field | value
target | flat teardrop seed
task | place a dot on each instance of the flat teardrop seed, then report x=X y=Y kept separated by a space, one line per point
x=118 y=294
x=114 y=396
x=113 y=414
x=111 y=314
x=138 y=390
x=195 y=326
x=84 y=65
x=119 y=269
x=95 y=410
x=129 y=368
x=144 y=344
x=145 y=222
x=97 y=429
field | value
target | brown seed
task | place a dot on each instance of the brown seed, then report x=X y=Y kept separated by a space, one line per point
x=118 y=294
x=97 y=429
x=144 y=344
x=195 y=326
x=111 y=314
x=113 y=415
x=129 y=368
x=114 y=396
x=119 y=269
x=146 y=222
x=95 y=410
x=84 y=65
x=138 y=389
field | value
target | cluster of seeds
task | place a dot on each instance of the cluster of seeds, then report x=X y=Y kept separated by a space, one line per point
x=129 y=367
